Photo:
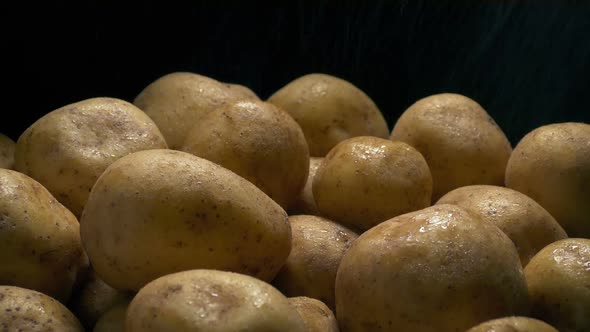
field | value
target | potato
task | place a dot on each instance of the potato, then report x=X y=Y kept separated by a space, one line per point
x=23 y=309
x=177 y=101
x=513 y=324
x=559 y=283
x=157 y=212
x=7 y=147
x=437 y=269
x=316 y=250
x=329 y=110
x=316 y=316
x=305 y=203
x=212 y=301
x=40 y=245
x=257 y=141
x=113 y=320
x=67 y=149
x=366 y=180
x=525 y=222
x=241 y=92
x=551 y=165
x=460 y=141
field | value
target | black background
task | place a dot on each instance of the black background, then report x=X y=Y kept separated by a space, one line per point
x=527 y=63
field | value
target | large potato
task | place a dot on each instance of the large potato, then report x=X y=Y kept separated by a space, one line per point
x=316 y=250
x=551 y=164
x=460 y=141
x=212 y=301
x=7 y=147
x=157 y=212
x=438 y=269
x=366 y=180
x=559 y=283
x=513 y=324
x=67 y=149
x=316 y=316
x=27 y=310
x=329 y=110
x=305 y=203
x=40 y=244
x=525 y=222
x=257 y=141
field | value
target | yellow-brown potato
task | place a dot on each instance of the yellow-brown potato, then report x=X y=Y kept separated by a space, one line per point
x=67 y=149
x=525 y=222
x=329 y=110
x=157 y=212
x=257 y=141
x=40 y=244
x=113 y=320
x=460 y=141
x=366 y=180
x=212 y=301
x=316 y=316
x=513 y=324
x=241 y=92
x=551 y=165
x=305 y=203
x=177 y=101
x=7 y=147
x=438 y=269
x=316 y=250
x=23 y=309
x=559 y=284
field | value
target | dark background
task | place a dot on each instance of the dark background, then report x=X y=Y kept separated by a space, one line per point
x=527 y=63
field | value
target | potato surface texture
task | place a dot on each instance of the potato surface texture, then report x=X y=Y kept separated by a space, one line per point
x=513 y=324
x=315 y=314
x=305 y=203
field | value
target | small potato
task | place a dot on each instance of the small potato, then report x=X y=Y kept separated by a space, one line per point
x=559 y=283
x=366 y=180
x=525 y=222
x=316 y=250
x=23 y=309
x=513 y=324
x=305 y=203
x=212 y=301
x=329 y=110
x=551 y=165
x=460 y=141
x=316 y=316
x=40 y=245
x=437 y=269
x=67 y=149
x=241 y=92
x=157 y=212
x=7 y=147
x=257 y=141
x=113 y=320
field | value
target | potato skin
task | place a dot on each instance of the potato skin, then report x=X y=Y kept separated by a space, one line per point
x=113 y=320
x=329 y=110
x=558 y=278
x=241 y=92
x=257 y=141
x=7 y=147
x=513 y=324
x=27 y=310
x=67 y=149
x=527 y=224
x=305 y=203
x=462 y=144
x=157 y=212
x=551 y=165
x=315 y=314
x=40 y=245
x=366 y=180
x=213 y=301
x=429 y=270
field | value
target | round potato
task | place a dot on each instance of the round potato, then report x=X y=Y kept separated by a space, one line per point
x=212 y=301
x=316 y=316
x=329 y=110
x=23 y=309
x=366 y=180
x=316 y=250
x=525 y=222
x=559 y=284
x=113 y=320
x=40 y=245
x=305 y=203
x=7 y=147
x=241 y=92
x=513 y=324
x=551 y=165
x=257 y=141
x=437 y=269
x=156 y=212
x=67 y=149
x=460 y=141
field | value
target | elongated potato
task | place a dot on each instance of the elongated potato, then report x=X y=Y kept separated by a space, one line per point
x=7 y=147
x=315 y=314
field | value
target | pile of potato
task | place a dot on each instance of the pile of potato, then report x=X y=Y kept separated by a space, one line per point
x=200 y=207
